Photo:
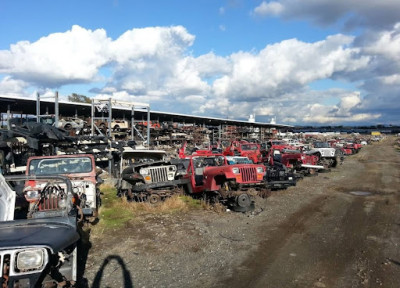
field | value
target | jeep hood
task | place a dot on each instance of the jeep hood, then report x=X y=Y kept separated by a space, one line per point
x=54 y=233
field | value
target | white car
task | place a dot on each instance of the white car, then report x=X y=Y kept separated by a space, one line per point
x=71 y=123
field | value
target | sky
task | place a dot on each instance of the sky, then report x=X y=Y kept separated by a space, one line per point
x=303 y=62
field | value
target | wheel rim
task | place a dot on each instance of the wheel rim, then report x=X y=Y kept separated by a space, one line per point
x=153 y=199
x=243 y=200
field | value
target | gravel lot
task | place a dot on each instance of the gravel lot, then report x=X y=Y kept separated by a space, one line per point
x=316 y=234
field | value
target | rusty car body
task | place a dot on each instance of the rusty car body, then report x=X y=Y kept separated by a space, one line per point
x=38 y=248
x=148 y=175
x=79 y=168
x=211 y=177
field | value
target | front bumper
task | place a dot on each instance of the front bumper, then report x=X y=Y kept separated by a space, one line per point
x=158 y=185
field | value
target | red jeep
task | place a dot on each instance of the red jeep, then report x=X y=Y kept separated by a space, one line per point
x=245 y=149
x=354 y=147
x=295 y=161
x=211 y=177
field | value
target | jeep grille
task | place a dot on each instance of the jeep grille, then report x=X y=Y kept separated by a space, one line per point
x=248 y=174
x=49 y=203
x=159 y=174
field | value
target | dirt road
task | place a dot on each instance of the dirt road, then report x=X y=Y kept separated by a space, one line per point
x=339 y=229
x=339 y=239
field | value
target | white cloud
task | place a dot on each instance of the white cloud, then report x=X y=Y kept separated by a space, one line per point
x=287 y=66
x=357 y=13
x=154 y=65
x=12 y=87
x=391 y=80
x=385 y=43
x=60 y=58
x=269 y=8
x=150 y=43
x=265 y=111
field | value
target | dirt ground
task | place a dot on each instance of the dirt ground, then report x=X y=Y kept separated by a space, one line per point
x=338 y=229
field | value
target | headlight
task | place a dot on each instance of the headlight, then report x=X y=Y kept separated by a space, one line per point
x=235 y=170
x=172 y=168
x=32 y=195
x=62 y=203
x=144 y=171
x=260 y=170
x=75 y=190
x=32 y=259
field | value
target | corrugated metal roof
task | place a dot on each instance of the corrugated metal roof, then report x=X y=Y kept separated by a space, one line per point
x=27 y=105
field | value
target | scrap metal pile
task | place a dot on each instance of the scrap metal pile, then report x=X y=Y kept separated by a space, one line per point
x=57 y=188
x=230 y=172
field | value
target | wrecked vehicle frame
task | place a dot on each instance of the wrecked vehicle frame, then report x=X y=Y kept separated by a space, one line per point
x=148 y=175
x=38 y=247
x=79 y=168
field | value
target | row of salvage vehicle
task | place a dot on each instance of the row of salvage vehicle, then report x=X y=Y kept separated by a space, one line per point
x=232 y=176
x=40 y=212
x=149 y=175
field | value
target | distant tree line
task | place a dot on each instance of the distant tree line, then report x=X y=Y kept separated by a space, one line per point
x=79 y=98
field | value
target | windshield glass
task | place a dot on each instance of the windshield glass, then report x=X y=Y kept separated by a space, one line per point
x=321 y=145
x=239 y=160
x=208 y=161
x=52 y=166
x=47 y=120
x=137 y=157
x=252 y=147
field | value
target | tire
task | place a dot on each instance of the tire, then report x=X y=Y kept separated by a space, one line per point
x=67 y=127
x=243 y=200
x=243 y=203
x=103 y=127
x=154 y=198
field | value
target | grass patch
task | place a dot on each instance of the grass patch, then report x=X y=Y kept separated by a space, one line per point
x=116 y=212
x=174 y=204
x=112 y=215
x=193 y=203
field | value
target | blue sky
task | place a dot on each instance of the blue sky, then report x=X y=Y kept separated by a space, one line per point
x=304 y=62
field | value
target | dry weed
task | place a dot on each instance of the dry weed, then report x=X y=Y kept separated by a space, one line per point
x=170 y=205
x=218 y=208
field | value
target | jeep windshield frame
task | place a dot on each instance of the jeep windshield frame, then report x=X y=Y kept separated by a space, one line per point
x=249 y=147
x=57 y=166
x=321 y=145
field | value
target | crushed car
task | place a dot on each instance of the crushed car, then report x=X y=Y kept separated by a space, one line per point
x=72 y=123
